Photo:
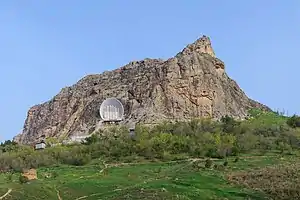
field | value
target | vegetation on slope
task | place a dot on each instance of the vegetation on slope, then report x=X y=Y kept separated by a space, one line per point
x=263 y=133
x=279 y=181
x=166 y=180
x=187 y=179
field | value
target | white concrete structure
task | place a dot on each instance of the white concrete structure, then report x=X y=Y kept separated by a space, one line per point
x=78 y=138
x=111 y=110
x=41 y=145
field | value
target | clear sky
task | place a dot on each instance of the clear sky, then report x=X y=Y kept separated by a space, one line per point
x=47 y=45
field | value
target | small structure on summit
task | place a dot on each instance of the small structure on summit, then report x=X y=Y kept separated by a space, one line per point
x=111 y=110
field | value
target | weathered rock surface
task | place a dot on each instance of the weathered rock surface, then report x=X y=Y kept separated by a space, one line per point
x=191 y=84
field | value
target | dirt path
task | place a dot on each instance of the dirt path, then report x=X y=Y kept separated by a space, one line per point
x=7 y=193
x=58 y=195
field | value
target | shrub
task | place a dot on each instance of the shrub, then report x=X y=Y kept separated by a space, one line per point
x=167 y=156
x=9 y=177
x=23 y=179
x=219 y=167
x=228 y=124
x=234 y=151
x=212 y=153
x=197 y=164
x=78 y=160
x=17 y=165
x=91 y=140
x=293 y=121
x=54 y=174
x=236 y=159
x=208 y=163
x=225 y=164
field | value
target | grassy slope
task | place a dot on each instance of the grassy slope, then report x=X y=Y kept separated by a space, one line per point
x=141 y=181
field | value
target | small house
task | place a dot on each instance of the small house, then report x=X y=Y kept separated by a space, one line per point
x=132 y=133
x=40 y=146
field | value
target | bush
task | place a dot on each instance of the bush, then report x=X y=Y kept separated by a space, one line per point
x=23 y=179
x=167 y=156
x=91 y=140
x=228 y=124
x=54 y=174
x=9 y=177
x=234 y=151
x=225 y=164
x=208 y=163
x=197 y=164
x=294 y=121
x=77 y=160
x=212 y=153
x=236 y=159
x=219 y=167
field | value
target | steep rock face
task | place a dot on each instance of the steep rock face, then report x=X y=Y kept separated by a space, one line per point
x=191 y=84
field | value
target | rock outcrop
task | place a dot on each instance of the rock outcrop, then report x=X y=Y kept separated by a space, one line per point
x=191 y=84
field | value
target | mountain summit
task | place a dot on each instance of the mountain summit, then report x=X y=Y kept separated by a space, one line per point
x=191 y=84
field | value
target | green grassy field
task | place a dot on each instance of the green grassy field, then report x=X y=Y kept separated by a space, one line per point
x=158 y=180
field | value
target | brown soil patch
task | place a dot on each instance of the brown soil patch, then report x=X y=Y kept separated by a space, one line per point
x=31 y=174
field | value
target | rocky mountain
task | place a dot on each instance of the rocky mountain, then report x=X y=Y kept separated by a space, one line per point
x=191 y=84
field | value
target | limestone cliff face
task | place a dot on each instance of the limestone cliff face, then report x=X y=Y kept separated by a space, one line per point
x=191 y=84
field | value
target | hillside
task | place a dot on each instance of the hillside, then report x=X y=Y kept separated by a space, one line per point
x=182 y=180
x=198 y=159
x=191 y=84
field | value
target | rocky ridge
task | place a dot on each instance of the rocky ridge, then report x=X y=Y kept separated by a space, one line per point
x=191 y=84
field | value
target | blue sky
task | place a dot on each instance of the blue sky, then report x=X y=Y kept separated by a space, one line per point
x=47 y=45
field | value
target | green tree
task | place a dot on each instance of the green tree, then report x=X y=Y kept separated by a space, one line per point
x=293 y=121
x=228 y=124
x=51 y=141
x=8 y=146
x=91 y=140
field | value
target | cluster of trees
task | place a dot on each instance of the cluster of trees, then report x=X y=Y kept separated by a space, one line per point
x=7 y=146
x=294 y=121
x=262 y=132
